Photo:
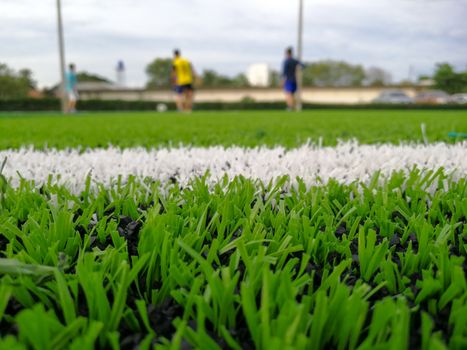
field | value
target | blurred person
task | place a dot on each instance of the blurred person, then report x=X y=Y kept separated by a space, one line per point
x=182 y=78
x=71 y=87
x=289 y=78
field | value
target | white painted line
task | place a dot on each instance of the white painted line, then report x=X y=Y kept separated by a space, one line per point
x=346 y=162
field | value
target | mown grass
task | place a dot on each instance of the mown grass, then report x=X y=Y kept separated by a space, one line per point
x=250 y=129
x=240 y=265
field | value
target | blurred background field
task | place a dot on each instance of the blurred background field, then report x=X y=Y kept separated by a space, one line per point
x=246 y=128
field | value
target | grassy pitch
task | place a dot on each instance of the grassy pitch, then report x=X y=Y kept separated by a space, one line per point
x=226 y=128
x=238 y=263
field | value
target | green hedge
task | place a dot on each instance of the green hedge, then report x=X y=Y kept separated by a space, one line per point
x=30 y=104
x=52 y=104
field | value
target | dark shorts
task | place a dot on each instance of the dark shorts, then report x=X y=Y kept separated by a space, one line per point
x=290 y=86
x=180 y=89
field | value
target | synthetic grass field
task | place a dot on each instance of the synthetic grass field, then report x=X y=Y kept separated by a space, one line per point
x=167 y=256
x=226 y=128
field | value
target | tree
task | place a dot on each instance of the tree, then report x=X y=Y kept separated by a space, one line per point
x=159 y=72
x=211 y=78
x=26 y=75
x=275 y=79
x=423 y=77
x=15 y=84
x=307 y=75
x=448 y=80
x=376 y=76
x=333 y=73
x=240 y=80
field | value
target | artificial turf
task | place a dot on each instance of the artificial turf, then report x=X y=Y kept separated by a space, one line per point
x=240 y=265
x=268 y=128
x=379 y=264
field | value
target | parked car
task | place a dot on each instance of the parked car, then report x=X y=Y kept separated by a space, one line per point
x=458 y=98
x=393 y=96
x=432 y=97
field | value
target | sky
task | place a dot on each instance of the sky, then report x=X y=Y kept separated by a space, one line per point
x=405 y=37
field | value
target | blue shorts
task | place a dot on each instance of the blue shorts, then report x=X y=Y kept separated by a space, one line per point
x=290 y=86
x=180 y=89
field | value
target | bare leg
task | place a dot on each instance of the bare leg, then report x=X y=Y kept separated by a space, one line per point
x=179 y=101
x=290 y=100
x=185 y=100
x=70 y=106
x=189 y=100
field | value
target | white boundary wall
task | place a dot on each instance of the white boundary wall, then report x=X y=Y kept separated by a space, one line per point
x=311 y=95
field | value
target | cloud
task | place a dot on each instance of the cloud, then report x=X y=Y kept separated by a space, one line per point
x=228 y=36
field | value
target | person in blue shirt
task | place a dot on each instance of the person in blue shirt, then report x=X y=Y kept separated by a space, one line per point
x=71 y=87
x=289 y=77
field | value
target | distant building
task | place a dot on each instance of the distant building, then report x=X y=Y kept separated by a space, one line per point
x=96 y=86
x=120 y=69
x=33 y=93
x=426 y=82
x=259 y=75
x=86 y=87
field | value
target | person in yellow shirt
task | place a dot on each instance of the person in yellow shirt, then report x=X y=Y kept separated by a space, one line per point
x=182 y=79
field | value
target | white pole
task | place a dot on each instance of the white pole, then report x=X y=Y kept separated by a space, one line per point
x=299 y=54
x=62 y=57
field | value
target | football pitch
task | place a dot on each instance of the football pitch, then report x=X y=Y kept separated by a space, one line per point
x=326 y=229
x=244 y=128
